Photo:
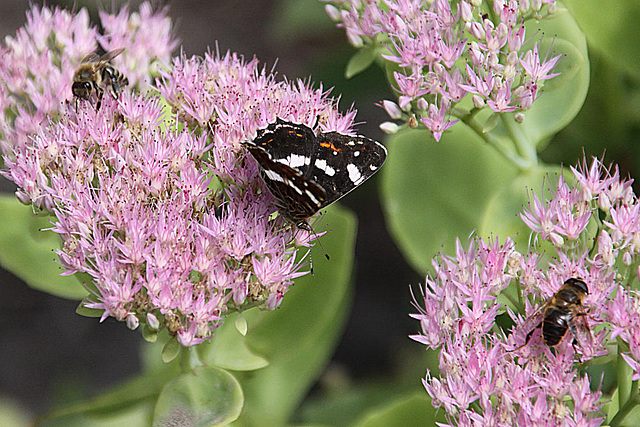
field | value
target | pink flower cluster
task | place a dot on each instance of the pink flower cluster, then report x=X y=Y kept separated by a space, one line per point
x=445 y=54
x=37 y=66
x=154 y=197
x=492 y=376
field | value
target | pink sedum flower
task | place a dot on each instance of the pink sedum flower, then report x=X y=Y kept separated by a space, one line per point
x=512 y=377
x=149 y=35
x=450 y=49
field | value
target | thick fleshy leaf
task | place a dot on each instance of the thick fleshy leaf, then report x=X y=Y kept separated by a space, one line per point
x=228 y=347
x=136 y=415
x=613 y=30
x=83 y=310
x=298 y=338
x=12 y=415
x=130 y=401
x=171 y=350
x=28 y=253
x=414 y=409
x=501 y=216
x=204 y=397
x=360 y=61
x=562 y=96
x=433 y=193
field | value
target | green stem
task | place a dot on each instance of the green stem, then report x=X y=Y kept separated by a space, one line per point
x=623 y=373
x=512 y=300
x=504 y=150
x=525 y=147
x=522 y=153
x=190 y=359
x=624 y=410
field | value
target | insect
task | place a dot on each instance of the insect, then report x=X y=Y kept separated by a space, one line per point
x=306 y=172
x=560 y=312
x=96 y=75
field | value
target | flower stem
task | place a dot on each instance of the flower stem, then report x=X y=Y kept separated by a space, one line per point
x=190 y=359
x=624 y=411
x=523 y=143
x=624 y=374
x=522 y=163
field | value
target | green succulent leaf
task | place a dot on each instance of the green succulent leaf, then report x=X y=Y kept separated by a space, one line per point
x=28 y=252
x=611 y=31
x=414 y=409
x=203 y=397
x=360 y=61
x=298 y=338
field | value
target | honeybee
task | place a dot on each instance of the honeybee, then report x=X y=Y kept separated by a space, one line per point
x=95 y=74
x=560 y=312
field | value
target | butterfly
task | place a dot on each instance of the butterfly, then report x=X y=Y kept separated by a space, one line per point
x=306 y=172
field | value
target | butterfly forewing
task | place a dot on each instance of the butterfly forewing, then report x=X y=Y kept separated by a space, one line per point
x=285 y=143
x=343 y=162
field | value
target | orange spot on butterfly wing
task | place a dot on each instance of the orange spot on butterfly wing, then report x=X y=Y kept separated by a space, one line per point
x=329 y=145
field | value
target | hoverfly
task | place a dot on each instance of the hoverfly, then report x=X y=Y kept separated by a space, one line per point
x=560 y=312
x=96 y=75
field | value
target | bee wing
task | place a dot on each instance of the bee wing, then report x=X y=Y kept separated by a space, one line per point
x=92 y=57
x=111 y=54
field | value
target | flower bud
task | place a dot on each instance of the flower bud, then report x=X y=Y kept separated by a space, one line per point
x=605 y=247
x=389 y=128
x=333 y=12
x=556 y=239
x=392 y=109
x=478 y=101
x=466 y=11
x=603 y=202
x=502 y=30
x=23 y=197
x=153 y=322
x=354 y=39
x=475 y=28
x=132 y=321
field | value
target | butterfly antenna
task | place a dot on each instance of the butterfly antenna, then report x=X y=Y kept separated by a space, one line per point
x=310 y=261
x=326 y=255
x=310 y=229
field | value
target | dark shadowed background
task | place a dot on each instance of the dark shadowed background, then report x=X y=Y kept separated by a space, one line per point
x=40 y=335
